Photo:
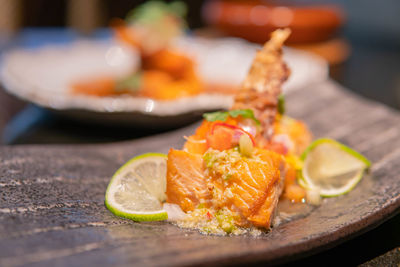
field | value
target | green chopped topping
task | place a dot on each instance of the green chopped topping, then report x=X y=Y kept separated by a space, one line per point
x=155 y=11
x=225 y=220
x=281 y=104
x=223 y=115
x=131 y=83
x=208 y=230
x=227 y=176
x=209 y=159
x=221 y=162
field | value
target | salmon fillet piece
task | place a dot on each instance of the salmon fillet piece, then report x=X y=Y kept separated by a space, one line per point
x=252 y=188
x=265 y=214
x=185 y=180
x=248 y=186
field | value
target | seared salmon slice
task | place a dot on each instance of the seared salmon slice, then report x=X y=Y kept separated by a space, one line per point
x=249 y=186
x=185 y=180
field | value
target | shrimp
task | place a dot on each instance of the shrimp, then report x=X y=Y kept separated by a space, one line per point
x=262 y=86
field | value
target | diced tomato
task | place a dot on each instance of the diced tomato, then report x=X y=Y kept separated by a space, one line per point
x=277 y=147
x=220 y=138
x=195 y=145
x=294 y=193
x=225 y=136
x=290 y=176
x=237 y=130
x=209 y=215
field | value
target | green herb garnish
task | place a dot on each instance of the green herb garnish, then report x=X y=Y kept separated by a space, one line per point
x=216 y=116
x=155 y=11
x=223 y=115
x=131 y=83
x=245 y=113
x=281 y=104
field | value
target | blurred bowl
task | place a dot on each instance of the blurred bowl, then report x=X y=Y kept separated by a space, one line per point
x=255 y=20
x=43 y=77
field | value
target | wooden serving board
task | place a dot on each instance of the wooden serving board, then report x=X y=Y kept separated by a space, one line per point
x=52 y=211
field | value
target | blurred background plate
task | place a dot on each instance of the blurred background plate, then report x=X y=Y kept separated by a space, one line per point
x=43 y=76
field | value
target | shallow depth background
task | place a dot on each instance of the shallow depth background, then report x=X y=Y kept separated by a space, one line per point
x=372 y=30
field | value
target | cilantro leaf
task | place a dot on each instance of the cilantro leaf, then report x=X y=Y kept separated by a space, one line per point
x=216 y=116
x=223 y=115
x=245 y=113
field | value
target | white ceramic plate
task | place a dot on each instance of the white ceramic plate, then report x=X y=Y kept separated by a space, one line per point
x=43 y=77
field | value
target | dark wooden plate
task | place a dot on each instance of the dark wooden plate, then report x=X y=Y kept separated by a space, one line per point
x=52 y=211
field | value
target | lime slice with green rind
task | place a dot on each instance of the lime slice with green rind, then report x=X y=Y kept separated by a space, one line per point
x=137 y=190
x=331 y=168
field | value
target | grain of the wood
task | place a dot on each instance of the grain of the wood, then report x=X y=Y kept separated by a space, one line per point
x=52 y=211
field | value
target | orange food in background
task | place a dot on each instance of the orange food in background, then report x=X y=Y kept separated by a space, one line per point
x=171 y=90
x=182 y=80
x=126 y=35
x=176 y=64
x=103 y=86
x=154 y=84
x=166 y=75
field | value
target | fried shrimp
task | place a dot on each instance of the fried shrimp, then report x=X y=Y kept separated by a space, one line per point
x=262 y=86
